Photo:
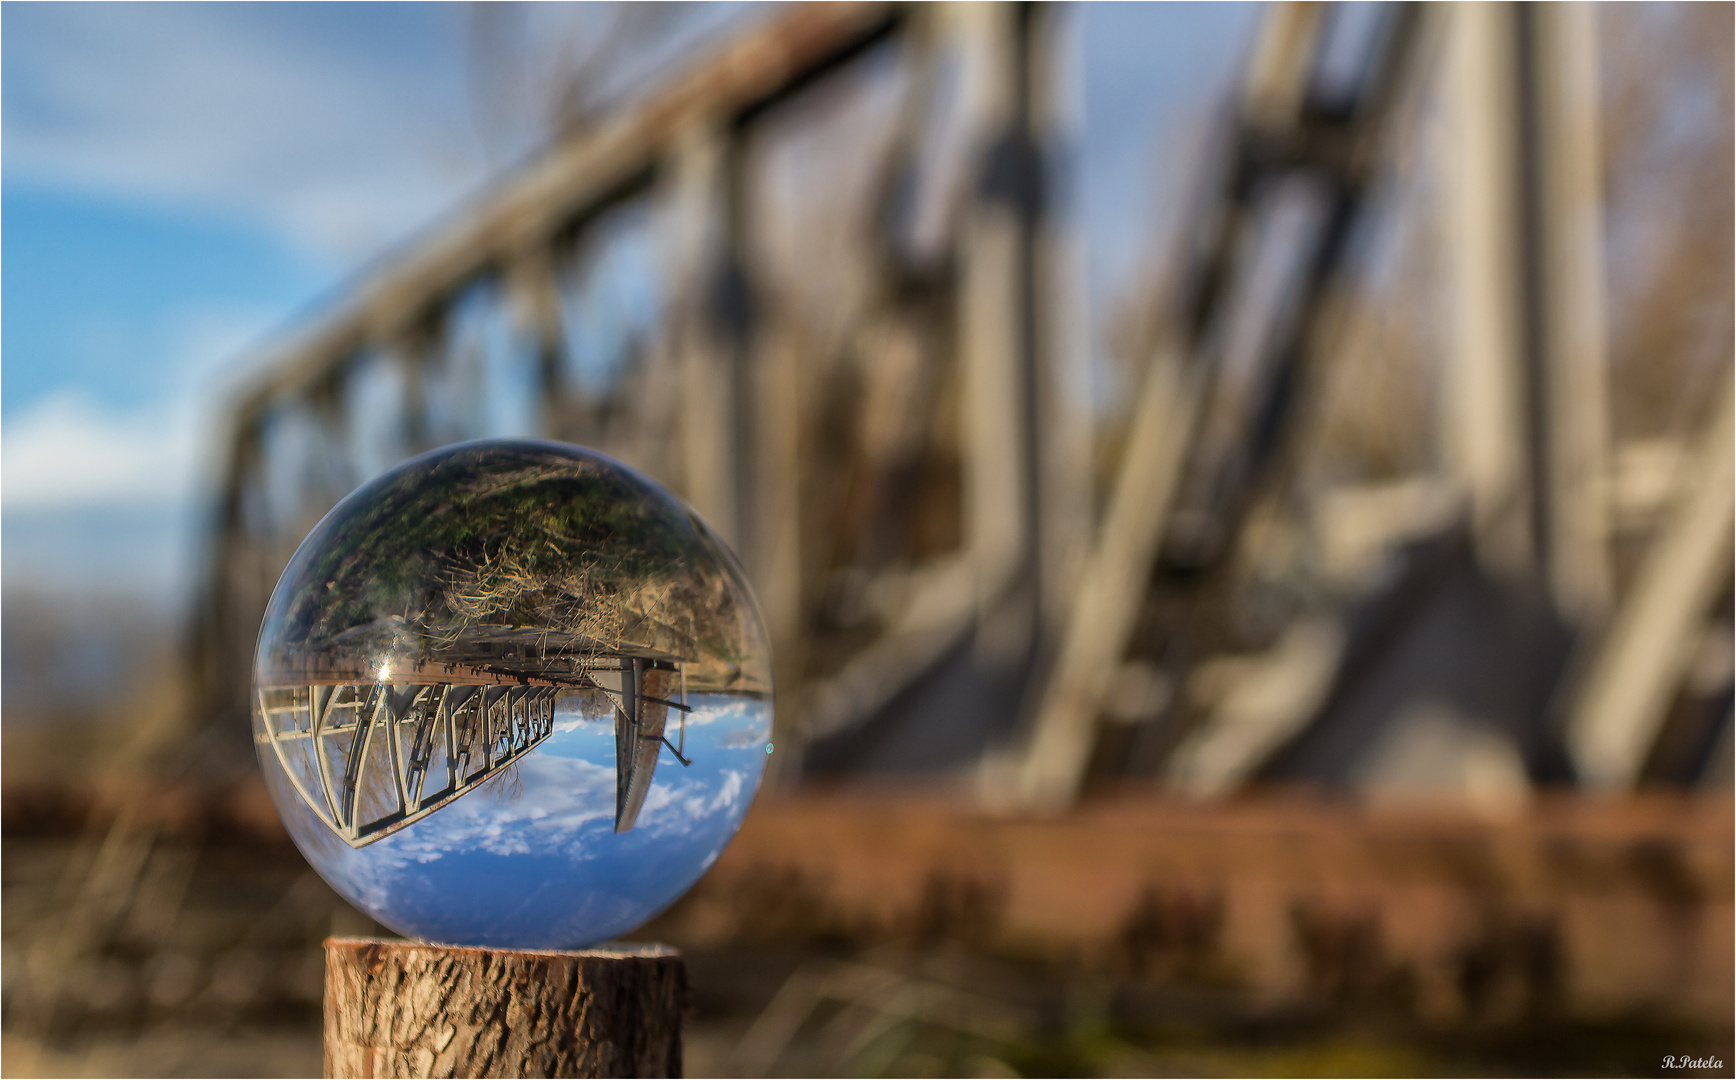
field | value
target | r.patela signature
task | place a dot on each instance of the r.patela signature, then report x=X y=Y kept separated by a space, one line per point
x=1683 y=1061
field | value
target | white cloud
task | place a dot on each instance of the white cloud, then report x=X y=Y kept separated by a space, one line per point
x=563 y=796
x=566 y=802
x=222 y=106
x=568 y=795
x=68 y=451
x=277 y=116
x=345 y=127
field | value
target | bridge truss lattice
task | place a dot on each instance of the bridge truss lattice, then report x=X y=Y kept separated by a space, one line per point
x=362 y=755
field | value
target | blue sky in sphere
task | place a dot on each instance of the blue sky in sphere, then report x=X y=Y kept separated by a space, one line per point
x=183 y=184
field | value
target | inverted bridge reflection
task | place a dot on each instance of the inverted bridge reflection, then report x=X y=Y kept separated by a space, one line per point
x=364 y=755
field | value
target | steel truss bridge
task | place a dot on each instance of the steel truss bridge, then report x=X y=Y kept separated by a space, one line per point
x=874 y=392
x=366 y=756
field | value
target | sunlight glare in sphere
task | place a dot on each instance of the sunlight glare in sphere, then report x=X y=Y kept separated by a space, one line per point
x=512 y=694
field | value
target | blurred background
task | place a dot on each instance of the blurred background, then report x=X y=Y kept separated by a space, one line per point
x=1241 y=496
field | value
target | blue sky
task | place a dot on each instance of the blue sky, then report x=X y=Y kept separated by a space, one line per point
x=182 y=183
x=92 y=280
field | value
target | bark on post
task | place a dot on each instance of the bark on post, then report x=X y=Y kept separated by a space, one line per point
x=401 y=1008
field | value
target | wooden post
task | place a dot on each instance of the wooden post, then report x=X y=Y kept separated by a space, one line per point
x=402 y=1008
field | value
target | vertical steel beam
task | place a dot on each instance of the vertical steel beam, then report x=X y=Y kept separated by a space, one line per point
x=1527 y=401
x=998 y=350
x=1486 y=396
x=779 y=408
x=367 y=719
x=1570 y=307
x=696 y=221
x=394 y=744
x=416 y=348
x=1527 y=404
x=322 y=765
x=1062 y=407
x=535 y=304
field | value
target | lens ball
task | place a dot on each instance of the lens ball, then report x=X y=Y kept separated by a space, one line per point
x=512 y=694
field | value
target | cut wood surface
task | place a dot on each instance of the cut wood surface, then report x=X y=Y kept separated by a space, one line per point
x=402 y=1008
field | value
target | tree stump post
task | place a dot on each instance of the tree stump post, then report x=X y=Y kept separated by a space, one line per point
x=402 y=1008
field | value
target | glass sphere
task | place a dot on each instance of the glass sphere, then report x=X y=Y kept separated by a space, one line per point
x=512 y=694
